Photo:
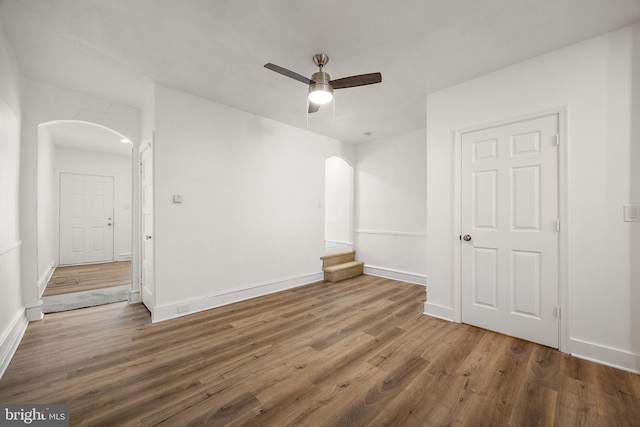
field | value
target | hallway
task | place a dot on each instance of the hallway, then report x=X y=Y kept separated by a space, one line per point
x=80 y=286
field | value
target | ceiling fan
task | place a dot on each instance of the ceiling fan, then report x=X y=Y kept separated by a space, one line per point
x=320 y=84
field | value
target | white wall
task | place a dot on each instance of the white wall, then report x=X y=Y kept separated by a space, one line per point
x=598 y=82
x=338 y=203
x=12 y=320
x=391 y=206
x=45 y=103
x=47 y=212
x=148 y=115
x=92 y=163
x=252 y=219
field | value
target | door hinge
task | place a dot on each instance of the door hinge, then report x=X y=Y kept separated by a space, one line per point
x=558 y=312
x=556 y=140
x=558 y=225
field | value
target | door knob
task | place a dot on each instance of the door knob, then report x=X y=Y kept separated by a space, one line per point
x=147 y=237
x=466 y=237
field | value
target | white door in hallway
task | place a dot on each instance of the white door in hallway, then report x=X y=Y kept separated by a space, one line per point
x=509 y=213
x=86 y=218
x=146 y=211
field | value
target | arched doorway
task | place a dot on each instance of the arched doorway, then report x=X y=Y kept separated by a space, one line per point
x=83 y=168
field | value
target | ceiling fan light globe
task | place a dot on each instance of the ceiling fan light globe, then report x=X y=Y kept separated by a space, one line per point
x=320 y=92
x=320 y=96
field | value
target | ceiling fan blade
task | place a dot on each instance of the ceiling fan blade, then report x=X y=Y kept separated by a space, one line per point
x=313 y=108
x=354 y=81
x=288 y=73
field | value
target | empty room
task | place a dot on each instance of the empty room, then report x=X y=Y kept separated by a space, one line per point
x=288 y=213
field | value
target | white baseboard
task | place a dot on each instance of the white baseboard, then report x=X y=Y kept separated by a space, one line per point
x=389 y=273
x=439 y=311
x=11 y=338
x=124 y=257
x=135 y=296
x=46 y=276
x=34 y=312
x=229 y=296
x=606 y=355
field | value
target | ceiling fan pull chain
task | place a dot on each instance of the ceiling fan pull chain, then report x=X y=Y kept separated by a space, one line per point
x=334 y=111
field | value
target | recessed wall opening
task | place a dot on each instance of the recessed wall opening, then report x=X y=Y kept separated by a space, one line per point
x=84 y=210
x=338 y=205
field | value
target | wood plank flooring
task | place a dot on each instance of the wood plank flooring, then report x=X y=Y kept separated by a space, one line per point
x=353 y=353
x=88 y=277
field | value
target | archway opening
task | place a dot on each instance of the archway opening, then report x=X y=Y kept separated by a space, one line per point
x=84 y=212
x=338 y=203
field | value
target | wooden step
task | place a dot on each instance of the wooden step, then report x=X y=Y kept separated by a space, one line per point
x=343 y=271
x=337 y=258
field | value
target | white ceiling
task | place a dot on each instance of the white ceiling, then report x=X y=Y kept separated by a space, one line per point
x=217 y=49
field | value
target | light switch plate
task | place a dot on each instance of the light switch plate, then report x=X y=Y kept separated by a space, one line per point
x=632 y=213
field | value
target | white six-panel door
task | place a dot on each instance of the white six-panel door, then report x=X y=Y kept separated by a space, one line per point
x=509 y=238
x=86 y=218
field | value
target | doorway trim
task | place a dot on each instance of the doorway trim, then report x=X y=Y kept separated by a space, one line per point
x=564 y=199
x=142 y=295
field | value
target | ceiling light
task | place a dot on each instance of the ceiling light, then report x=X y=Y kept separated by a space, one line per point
x=320 y=93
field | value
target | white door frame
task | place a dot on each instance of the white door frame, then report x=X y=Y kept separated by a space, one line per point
x=144 y=147
x=564 y=237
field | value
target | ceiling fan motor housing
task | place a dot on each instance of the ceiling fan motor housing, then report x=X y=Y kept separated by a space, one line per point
x=321 y=83
x=322 y=78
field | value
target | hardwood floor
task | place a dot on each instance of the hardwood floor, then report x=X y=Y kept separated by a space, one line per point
x=88 y=277
x=354 y=353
